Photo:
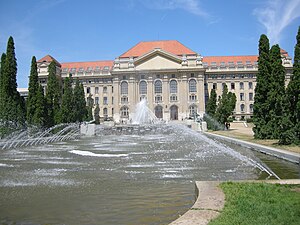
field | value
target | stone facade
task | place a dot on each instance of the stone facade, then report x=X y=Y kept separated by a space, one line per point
x=175 y=80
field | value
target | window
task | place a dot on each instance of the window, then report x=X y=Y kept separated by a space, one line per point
x=193 y=110
x=104 y=89
x=173 y=76
x=124 y=88
x=173 y=86
x=142 y=77
x=143 y=87
x=232 y=86
x=251 y=108
x=106 y=68
x=232 y=76
x=192 y=85
x=242 y=76
x=250 y=85
x=124 y=77
x=112 y=100
x=80 y=70
x=157 y=76
x=97 y=100
x=231 y=64
x=157 y=87
x=241 y=86
x=97 y=68
x=242 y=108
x=193 y=98
x=112 y=89
x=89 y=69
x=65 y=70
x=248 y=63
x=105 y=114
x=112 y=111
x=213 y=64
x=250 y=96
x=105 y=102
x=242 y=98
x=215 y=86
x=222 y=64
x=124 y=112
x=96 y=90
x=223 y=86
x=88 y=90
x=124 y=100
x=73 y=70
x=240 y=64
x=158 y=111
x=205 y=64
x=173 y=98
x=158 y=99
x=192 y=75
x=143 y=97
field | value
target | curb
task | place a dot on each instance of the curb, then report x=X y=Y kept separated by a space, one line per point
x=282 y=154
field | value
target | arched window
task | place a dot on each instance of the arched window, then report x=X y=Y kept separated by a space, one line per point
x=192 y=85
x=242 y=107
x=193 y=110
x=143 y=87
x=158 y=87
x=124 y=88
x=124 y=112
x=105 y=112
x=173 y=86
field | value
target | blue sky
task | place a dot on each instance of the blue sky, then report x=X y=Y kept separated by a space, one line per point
x=89 y=30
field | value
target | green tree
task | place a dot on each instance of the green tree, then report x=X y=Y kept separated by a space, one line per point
x=80 y=110
x=260 y=107
x=212 y=103
x=276 y=95
x=40 y=112
x=32 y=91
x=53 y=96
x=66 y=113
x=96 y=114
x=226 y=106
x=293 y=96
x=12 y=105
x=89 y=107
x=2 y=85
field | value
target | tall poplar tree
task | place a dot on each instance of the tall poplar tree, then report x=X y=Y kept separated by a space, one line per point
x=80 y=111
x=1 y=86
x=291 y=133
x=32 y=91
x=89 y=107
x=96 y=114
x=53 y=96
x=260 y=106
x=66 y=110
x=276 y=94
x=12 y=105
x=212 y=103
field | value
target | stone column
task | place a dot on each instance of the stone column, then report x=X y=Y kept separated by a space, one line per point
x=166 y=97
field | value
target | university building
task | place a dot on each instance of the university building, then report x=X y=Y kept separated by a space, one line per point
x=175 y=80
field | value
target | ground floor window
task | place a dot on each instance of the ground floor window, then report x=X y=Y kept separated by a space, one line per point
x=193 y=110
x=174 y=112
x=124 y=112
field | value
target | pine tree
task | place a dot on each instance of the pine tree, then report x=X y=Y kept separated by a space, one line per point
x=66 y=113
x=32 y=91
x=96 y=114
x=39 y=116
x=1 y=85
x=212 y=103
x=226 y=105
x=53 y=96
x=12 y=105
x=293 y=96
x=276 y=95
x=260 y=107
x=80 y=111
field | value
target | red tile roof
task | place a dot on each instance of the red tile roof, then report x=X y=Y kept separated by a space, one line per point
x=284 y=52
x=85 y=65
x=171 y=46
x=226 y=59
x=48 y=58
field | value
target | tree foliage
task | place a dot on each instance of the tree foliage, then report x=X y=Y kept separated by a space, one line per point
x=261 y=106
x=89 y=108
x=66 y=110
x=80 y=110
x=53 y=96
x=212 y=103
x=32 y=92
x=39 y=118
x=12 y=105
x=97 y=114
x=226 y=105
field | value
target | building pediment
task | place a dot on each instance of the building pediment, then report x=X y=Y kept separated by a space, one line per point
x=157 y=59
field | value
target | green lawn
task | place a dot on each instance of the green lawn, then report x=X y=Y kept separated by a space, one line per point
x=259 y=204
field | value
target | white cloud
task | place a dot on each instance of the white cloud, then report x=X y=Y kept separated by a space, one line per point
x=191 y=6
x=276 y=16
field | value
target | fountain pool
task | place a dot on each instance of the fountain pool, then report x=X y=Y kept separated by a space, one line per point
x=135 y=178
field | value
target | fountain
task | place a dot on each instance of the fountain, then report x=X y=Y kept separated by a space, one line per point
x=143 y=115
x=141 y=174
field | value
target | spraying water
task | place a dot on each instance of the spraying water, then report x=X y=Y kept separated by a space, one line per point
x=143 y=115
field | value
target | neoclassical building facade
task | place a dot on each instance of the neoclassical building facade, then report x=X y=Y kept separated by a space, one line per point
x=175 y=80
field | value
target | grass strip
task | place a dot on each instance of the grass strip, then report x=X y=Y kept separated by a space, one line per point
x=259 y=203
